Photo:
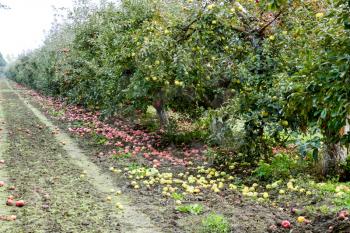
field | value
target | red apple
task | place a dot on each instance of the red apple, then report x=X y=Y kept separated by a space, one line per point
x=342 y=215
x=20 y=203
x=344 y=212
x=285 y=224
x=2 y=161
x=2 y=183
x=9 y=202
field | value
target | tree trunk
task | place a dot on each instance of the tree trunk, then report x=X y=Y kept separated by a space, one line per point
x=161 y=112
x=334 y=153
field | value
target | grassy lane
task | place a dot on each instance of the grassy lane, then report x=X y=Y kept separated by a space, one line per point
x=59 y=193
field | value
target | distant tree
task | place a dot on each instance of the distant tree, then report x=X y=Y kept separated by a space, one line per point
x=3 y=63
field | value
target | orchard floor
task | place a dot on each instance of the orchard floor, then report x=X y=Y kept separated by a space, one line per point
x=64 y=191
x=67 y=187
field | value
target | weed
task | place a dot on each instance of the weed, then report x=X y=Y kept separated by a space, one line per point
x=195 y=209
x=324 y=209
x=215 y=223
x=122 y=156
x=177 y=196
x=55 y=113
x=134 y=166
x=99 y=139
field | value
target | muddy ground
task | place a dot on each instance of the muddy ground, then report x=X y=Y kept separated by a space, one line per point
x=68 y=187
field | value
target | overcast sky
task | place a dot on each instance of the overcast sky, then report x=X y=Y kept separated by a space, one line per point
x=22 y=27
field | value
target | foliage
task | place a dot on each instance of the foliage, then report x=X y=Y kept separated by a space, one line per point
x=319 y=87
x=215 y=223
x=309 y=145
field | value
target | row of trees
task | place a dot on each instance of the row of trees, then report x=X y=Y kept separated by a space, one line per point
x=274 y=65
x=3 y=64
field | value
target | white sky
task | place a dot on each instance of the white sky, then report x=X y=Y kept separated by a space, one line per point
x=22 y=27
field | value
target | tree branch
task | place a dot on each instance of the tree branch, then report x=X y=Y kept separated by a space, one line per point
x=261 y=30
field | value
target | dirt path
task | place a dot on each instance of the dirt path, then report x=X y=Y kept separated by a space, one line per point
x=65 y=192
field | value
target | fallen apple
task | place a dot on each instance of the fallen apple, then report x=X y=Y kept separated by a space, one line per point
x=285 y=224
x=301 y=219
x=178 y=202
x=2 y=183
x=343 y=215
x=9 y=202
x=345 y=212
x=20 y=203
